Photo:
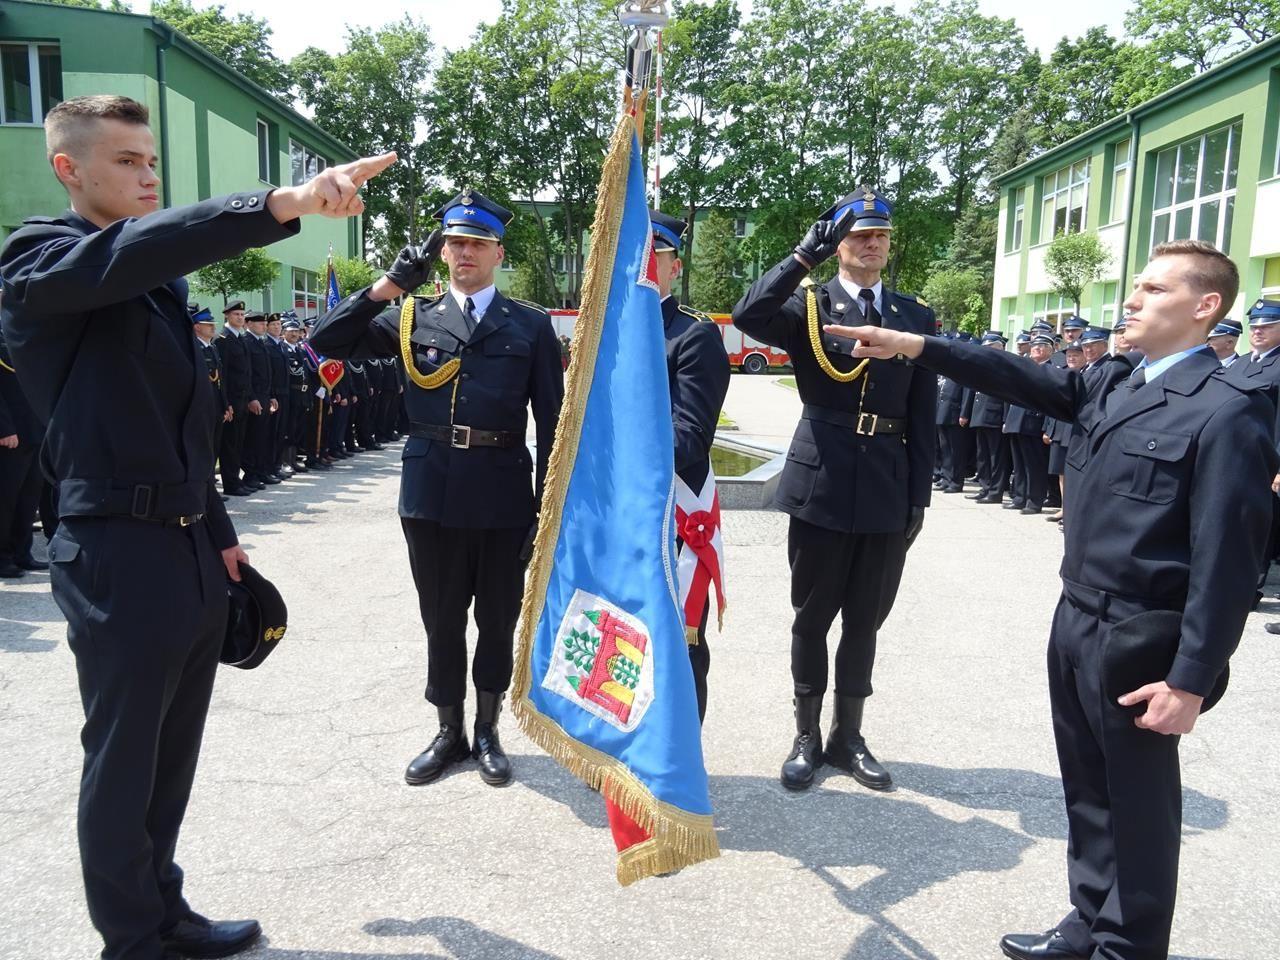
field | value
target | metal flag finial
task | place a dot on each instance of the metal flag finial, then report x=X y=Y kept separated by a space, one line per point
x=641 y=16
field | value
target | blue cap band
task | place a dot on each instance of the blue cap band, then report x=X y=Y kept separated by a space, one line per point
x=473 y=216
x=666 y=234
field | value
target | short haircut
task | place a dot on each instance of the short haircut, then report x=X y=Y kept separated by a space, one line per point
x=1213 y=270
x=68 y=125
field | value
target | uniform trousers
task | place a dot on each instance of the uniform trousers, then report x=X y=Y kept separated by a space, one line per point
x=146 y=609
x=280 y=433
x=1031 y=468
x=1123 y=792
x=338 y=425
x=451 y=566
x=231 y=447
x=956 y=452
x=993 y=453
x=257 y=442
x=700 y=661
x=19 y=500
x=853 y=574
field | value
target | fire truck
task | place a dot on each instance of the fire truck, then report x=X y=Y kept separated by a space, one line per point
x=745 y=353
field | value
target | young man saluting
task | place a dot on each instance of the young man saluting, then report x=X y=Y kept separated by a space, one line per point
x=95 y=312
x=1167 y=483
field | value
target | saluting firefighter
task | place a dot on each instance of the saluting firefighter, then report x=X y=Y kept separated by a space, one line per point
x=474 y=361
x=698 y=377
x=859 y=472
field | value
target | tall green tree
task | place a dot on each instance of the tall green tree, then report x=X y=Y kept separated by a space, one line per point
x=115 y=6
x=1202 y=32
x=1073 y=261
x=242 y=41
x=696 y=77
x=717 y=281
x=374 y=97
x=956 y=297
x=248 y=272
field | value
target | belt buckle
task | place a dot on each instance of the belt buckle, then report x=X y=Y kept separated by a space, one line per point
x=142 y=503
x=461 y=436
x=861 y=429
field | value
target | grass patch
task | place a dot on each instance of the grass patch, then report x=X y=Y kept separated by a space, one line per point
x=788 y=382
x=724 y=423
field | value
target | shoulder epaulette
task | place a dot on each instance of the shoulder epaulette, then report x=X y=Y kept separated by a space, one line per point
x=696 y=314
x=913 y=298
x=430 y=297
x=531 y=305
x=806 y=281
x=44 y=220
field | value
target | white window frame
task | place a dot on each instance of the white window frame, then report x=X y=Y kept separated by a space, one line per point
x=264 y=151
x=313 y=162
x=1065 y=183
x=1224 y=197
x=304 y=299
x=1119 y=165
x=1055 y=310
x=37 y=94
x=1018 y=225
x=739 y=227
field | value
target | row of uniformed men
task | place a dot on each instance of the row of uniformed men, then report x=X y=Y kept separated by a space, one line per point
x=275 y=417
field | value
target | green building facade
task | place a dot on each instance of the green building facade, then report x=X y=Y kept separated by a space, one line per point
x=216 y=131
x=1200 y=161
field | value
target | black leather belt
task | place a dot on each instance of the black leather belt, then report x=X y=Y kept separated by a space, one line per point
x=463 y=437
x=176 y=505
x=1112 y=607
x=863 y=424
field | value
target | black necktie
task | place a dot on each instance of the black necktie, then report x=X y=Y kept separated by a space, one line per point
x=469 y=310
x=1121 y=394
x=1137 y=379
x=869 y=312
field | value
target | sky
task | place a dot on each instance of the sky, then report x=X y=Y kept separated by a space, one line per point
x=299 y=24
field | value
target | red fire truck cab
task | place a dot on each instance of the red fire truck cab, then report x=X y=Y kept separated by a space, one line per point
x=745 y=354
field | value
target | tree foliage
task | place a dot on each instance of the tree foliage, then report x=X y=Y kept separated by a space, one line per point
x=352 y=274
x=718 y=280
x=1202 y=33
x=241 y=41
x=1073 y=261
x=248 y=272
x=951 y=291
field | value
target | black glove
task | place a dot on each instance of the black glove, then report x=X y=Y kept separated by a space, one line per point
x=915 y=520
x=820 y=243
x=414 y=265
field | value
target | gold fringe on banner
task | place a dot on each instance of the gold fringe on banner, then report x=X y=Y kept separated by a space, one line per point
x=679 y=838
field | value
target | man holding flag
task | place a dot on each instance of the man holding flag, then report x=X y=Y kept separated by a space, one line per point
x=698 y=378
x=475 y=360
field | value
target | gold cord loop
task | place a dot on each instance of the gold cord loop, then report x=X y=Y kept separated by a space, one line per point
x=815 y=341
x=427 y=381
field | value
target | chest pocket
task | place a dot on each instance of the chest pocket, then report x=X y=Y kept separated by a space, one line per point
x=1148 y=465
x=433 y=347
x=502 y=347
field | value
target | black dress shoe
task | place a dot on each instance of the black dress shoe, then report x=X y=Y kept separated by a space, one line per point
x=239 y=492
x=197 y=937
x=272 y=479
x=1272 y=628
x=847 y=750
x=31 y=563
x=980 y=495
x=11 y=571
x=495 y=768
x=1049 y=945
x=806 y=750
x=1015 y=504
x=990 y=498
x=1030 y=510
x=953 y=488
x=449 y=747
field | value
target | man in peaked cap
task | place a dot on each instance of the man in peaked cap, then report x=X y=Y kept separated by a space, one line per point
x=202 y=325
x=1025 y=428
x=985 y=416
x=475 y=361
x=1224 y=338
x=300 y=398
x=698 y=377
x=1094 y=342
x=257 y=439
x=232 y=345
x=859 y=472
x=1022 y=343
x=1262 y=368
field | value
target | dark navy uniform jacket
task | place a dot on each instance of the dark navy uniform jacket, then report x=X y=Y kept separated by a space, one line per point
x=509 y=362
x=213 y=366
x=233 y=350
x=988 y=411
x=1168 y=487
x=1022 y=420
x=102 y=342
x=835 y=478
x=279 y=364
x=16 y=416
x=1265 y=374
x=259 y=370
x=950 y=404
x=698 y=375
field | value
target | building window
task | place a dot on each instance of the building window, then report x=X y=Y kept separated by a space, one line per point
x=1051 y=307
x=739 y=227
x=1066 y=201
x=304 y=162
x=1195 y=189
x=266 y=299
x=30 y=81
x=306 y=293
x=1107 y=315
x=1017 y=219
x=264 y=152
x=1271 y=278
x=1120 y=181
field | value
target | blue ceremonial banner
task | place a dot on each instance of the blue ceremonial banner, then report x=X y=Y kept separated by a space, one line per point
x=603 y=680
x=332 y=296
